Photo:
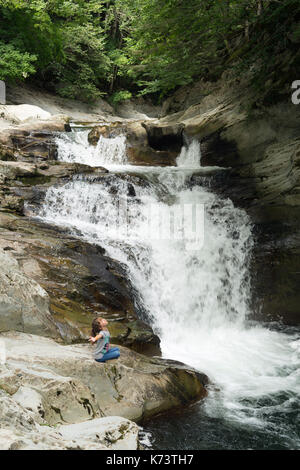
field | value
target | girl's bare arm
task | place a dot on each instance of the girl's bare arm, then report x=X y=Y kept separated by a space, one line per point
x=95 y=338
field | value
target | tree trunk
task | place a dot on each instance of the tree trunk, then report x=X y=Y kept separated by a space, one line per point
x=259 y=7
x=247 y=27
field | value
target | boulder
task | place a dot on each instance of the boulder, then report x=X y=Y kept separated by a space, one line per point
x=134 y=131
x=104 y=131
x=75 y=388
x=22 y=112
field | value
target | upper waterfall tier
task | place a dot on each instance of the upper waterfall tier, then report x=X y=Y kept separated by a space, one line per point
x=74 y=147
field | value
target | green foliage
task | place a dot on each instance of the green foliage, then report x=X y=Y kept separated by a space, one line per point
x=171 y=42
x=120 y=96
x=273 y=51
x=84 y=49
x=15 y=64
x=84 y=66
x=64 y=38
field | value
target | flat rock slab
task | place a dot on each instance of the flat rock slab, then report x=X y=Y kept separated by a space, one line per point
x=75 y=388
x=19 y=430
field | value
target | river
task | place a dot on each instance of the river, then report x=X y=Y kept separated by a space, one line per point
x=193 y=286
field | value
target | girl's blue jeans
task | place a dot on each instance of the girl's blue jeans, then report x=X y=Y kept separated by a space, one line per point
x=113 y=353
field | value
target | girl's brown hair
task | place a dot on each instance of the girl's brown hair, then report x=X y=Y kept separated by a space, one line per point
x=96 y=327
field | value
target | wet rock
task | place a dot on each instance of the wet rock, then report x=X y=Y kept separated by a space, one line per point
x=165 y=137
x=73 y=384
x=104 y=131
x=145 y=156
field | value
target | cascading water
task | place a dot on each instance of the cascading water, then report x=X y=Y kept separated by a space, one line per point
x=197 y=299
x=190 y=156
x=74 y=147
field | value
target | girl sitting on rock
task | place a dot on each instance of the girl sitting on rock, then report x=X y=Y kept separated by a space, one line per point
x=100 y=336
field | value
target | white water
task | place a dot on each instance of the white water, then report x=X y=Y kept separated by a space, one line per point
x=198 y=301
x=74 y=147
x=190 y=157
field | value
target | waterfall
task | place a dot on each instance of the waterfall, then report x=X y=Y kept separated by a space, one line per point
x=190 y=156
x=74 y=147
x=196 y=299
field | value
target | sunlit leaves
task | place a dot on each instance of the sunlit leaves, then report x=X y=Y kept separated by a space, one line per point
x=14 y=64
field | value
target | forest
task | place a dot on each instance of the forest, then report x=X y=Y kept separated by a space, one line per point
x=122 y=48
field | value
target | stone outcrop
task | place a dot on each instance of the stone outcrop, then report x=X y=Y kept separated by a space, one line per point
x=12 y=170
x=260 y=146
x=27 y=132
x=97 y=111
x=26 y=182
x=70 y=387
